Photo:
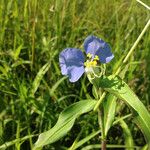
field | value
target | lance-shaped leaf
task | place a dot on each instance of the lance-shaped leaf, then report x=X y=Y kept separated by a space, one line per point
x=127 y=135
x=109 y=112
x=65 y=122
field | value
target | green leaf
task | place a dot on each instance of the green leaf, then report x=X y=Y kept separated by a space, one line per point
x=95 y=92
x=15 y=53
x=56 y=85
x=38 y=78
x=127 y=135
x=10 y=143
x=84 y=140
x=65 y=122
x=109 y=112
x=121 y=90
x=20 y=62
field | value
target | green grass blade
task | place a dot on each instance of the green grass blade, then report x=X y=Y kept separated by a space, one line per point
x=56 y=85
x=15 y=54
x=38 y=78
x=109 y=146
x=10 y=143
x=65 y=122
x=84 y=140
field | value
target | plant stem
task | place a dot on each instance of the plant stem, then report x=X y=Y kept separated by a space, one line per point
x=143 y=4
x=101 y=124
x=33 y=34
x=137 y=41
x=103 y=145
x=99 y=101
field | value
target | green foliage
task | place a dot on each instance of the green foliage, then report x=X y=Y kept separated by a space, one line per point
x=121 y=90
x=32 y=90
x=109 y=112
x=38 y=78
x=65 y=122
x=127 y=135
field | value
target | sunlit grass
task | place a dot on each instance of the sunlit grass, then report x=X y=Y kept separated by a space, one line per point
x=32 y=33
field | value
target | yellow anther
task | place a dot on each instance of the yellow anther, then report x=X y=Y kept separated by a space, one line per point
x=96 y=57
x=94 y=63
x=90 y=64
x=89 y=55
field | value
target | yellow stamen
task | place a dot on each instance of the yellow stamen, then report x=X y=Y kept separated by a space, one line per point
x=90 y=64
x=94 y=63
x=89 y=55
x=96 y=57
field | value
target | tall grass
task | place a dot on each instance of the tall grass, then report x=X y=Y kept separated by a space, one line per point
x=32 y=33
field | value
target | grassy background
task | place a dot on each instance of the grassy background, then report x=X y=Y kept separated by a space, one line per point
x=33 y=32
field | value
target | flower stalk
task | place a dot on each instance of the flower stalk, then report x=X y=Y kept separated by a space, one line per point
x=102 y=127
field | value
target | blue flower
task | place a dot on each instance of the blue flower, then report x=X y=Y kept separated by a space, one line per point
x=72 y=60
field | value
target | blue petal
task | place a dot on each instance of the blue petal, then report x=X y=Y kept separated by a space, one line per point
x=72 y=63
x=97 y=46
x=105 y=54
x=92 y=44
x=74 y=73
